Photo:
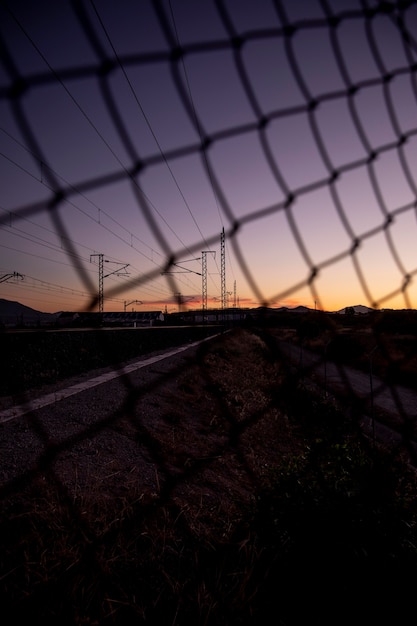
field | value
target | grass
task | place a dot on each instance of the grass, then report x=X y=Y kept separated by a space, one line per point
x=319 y=528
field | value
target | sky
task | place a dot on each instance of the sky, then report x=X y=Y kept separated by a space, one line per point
x=177 y=154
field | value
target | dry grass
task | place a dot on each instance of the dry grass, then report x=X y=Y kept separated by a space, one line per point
x=257 y=499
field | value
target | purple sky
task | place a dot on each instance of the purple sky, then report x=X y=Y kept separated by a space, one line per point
x=289 y=124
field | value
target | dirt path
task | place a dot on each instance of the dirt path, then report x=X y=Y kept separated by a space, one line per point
x=388 y=411
x=197 y=428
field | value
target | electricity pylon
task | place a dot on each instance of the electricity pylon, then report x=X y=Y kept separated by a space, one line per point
x=204 y=277
x=100 y=281
x=223 y=271
x=101 y=276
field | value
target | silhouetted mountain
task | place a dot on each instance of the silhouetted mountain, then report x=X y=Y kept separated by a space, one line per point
x=14 y=313
x=358 y=308
x=301 y=309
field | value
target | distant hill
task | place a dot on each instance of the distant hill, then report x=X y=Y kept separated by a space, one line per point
x=358 y=308
x=301 y=309
x=283 y=309
x=14 y=313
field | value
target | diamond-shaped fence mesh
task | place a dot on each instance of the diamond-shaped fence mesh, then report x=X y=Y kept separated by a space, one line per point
x=294 y=133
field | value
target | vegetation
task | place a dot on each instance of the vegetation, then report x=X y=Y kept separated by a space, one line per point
x=383 y=341
x=38 y=358
x=297 y=517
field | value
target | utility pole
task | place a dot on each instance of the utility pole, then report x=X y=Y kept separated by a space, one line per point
x=204 y=278
x=180 y=269
x=100 y=281
x=223 y=271
x=234 y=294
x=101 y=276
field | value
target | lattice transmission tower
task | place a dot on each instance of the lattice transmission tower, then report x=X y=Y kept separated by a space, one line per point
x=204 y=277
x=223 y=271
x=120 y=271
x=100 y=280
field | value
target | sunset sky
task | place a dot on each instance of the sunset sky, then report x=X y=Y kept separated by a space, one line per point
x=138 y=130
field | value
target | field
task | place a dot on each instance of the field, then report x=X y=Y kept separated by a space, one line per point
x=268 y=505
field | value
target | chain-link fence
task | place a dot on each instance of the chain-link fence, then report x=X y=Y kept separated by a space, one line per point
x=327 y=138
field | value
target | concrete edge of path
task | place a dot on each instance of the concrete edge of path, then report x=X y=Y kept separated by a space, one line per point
x=38 y=403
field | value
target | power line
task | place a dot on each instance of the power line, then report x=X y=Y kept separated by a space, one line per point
x=69 y=248
x=32 y=141
x=100 y=210
x=49 y=245
x=146 y=118
x=41 y=242
x=195 y=118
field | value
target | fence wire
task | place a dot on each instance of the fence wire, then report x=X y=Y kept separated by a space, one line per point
x=18 y=86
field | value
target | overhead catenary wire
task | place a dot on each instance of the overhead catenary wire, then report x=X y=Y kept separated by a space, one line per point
x=16 y=218
x=137 y=100
x=34 y=147
x=278 y=30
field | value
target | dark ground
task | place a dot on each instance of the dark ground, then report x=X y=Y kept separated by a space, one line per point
x=223 y=492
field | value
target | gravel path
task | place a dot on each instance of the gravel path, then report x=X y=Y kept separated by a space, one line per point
x=80 y=427
x=389 y=411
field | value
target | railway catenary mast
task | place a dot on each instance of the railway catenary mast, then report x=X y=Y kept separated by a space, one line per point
x=204 y=278
x=100 y=280
x=118 y=272
x=223 y=271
